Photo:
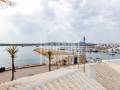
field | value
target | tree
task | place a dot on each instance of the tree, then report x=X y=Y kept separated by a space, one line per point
x=6 y=3
x=12 y=51
x=50 y=57
x=48 y=53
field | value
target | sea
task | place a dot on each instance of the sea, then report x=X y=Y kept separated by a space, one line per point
x=27 y=55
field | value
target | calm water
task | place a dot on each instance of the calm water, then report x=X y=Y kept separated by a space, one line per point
x=103 y=56
x=26 y=55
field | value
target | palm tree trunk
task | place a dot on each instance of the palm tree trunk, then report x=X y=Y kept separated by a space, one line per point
x=57 y=61
x=49 y=63
x=57 y=65
x=13 y=69
x=84 y=62
x=84 y=66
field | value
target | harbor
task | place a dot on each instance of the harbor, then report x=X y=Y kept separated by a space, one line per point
x=59 y=45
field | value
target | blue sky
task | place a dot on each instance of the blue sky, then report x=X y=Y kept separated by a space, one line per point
x=61 y=20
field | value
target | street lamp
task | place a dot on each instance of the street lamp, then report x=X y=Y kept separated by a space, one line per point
x=83 y=52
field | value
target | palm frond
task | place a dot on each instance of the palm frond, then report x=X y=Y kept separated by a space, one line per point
x=12 y=51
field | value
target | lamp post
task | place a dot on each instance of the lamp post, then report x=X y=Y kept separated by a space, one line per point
x=84 y=52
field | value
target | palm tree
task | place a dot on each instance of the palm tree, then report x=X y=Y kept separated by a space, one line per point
x=12 y=51
x=50 y=54
x=49 y=57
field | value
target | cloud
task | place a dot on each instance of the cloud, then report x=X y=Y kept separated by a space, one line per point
x=68 y=20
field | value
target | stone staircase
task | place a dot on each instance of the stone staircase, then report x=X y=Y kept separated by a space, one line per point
x=107 y=76
x=62 y=79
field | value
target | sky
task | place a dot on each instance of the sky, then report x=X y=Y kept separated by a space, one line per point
x=60 y=20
